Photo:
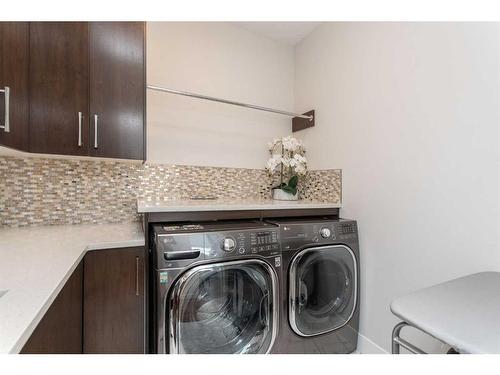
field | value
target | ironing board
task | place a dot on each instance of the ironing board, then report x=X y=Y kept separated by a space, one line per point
x=463 y=313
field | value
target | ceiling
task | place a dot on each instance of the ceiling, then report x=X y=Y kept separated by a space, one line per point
x=289 y=33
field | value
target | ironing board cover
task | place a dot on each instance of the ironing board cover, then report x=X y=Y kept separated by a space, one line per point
x=464 y=312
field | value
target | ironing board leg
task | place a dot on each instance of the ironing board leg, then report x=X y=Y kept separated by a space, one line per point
x=395 y=333
x=397 y=341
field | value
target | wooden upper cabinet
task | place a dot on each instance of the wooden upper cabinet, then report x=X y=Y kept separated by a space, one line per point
x=117 y=89
x=14 y=70
x=59 y=88
x=76 y=88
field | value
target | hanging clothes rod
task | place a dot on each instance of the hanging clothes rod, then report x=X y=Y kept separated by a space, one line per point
x=213 y=99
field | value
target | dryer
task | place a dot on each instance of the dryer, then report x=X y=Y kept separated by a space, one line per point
x=216 y=287
x=320 y=285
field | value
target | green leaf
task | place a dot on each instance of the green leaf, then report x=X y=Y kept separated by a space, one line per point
x=294 y=180
x=289 y=189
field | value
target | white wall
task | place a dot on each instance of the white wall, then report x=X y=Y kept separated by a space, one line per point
x=411 y=113
x=221 y=60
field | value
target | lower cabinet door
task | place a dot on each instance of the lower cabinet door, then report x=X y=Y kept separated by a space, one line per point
x=60 y=330
x=113 y=307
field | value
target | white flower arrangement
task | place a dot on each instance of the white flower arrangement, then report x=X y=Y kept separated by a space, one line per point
x=287 y=159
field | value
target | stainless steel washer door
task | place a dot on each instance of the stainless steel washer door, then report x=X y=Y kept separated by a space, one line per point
x=323 y=289
x=224 y=308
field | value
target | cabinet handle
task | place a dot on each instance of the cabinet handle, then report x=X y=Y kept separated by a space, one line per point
x=136 y=276
x=80 y=119
x=95 y=131
x=6 y=124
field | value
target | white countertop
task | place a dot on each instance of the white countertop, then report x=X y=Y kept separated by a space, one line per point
x=464 y=313
x=35 y=264
x=184 y=205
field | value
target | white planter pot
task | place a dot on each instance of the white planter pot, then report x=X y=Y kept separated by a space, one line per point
x=282 y=195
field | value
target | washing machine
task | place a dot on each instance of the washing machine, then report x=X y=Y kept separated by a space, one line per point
x=216 y=287
x=320 y=285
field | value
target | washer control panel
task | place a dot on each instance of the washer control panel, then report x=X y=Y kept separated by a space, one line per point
x=264 y=241
x=244 y=242
x=177 y=245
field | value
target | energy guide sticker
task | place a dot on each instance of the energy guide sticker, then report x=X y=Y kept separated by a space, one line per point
x=163 y=277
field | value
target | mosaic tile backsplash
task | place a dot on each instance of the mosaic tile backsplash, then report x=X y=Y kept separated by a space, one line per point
x=38 y=191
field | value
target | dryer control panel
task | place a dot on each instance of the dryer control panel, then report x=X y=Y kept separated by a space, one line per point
x=299 y=233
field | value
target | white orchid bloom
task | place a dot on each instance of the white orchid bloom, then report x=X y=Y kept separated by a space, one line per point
x=286 y=161
x=301 y=169
x=300 y=159
x=273 y=162
x=290 y=144
x=272 y=145
x=287 y=154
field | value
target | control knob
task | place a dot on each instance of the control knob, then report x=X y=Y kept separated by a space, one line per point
x=228 y=244
x=325 y=232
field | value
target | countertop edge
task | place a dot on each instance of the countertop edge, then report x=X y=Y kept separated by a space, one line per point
x=144 y=207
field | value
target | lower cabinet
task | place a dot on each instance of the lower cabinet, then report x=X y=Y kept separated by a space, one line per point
x=101 y=308
x=113 y=307
x=60 y=330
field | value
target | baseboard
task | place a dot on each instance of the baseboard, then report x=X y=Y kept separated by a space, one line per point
x=367 y=346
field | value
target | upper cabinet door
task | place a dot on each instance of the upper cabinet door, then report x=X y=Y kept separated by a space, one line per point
x=117 y=89
x=14 y=69
x=59 y=88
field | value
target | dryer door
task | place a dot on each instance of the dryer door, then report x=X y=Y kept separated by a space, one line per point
x=224 y=308
x=323 y=289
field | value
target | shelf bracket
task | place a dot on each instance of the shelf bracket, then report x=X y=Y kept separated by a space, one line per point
x=300 y=123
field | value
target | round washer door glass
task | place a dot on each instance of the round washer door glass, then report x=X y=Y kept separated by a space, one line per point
x=323 y=284
x=224 y=308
